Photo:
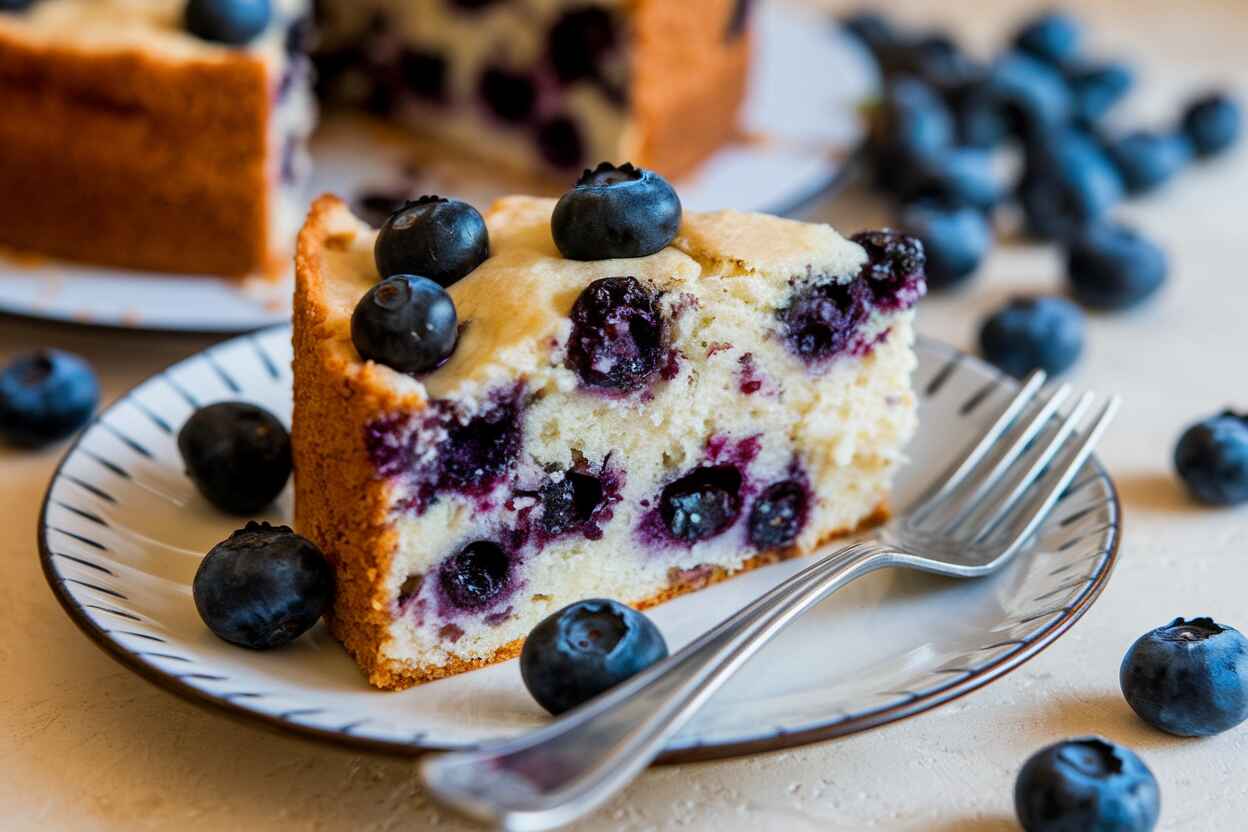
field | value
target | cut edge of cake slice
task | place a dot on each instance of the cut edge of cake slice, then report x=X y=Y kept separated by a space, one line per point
x=462 y=508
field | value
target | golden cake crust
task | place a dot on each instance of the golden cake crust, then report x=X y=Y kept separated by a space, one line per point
x=132 y=159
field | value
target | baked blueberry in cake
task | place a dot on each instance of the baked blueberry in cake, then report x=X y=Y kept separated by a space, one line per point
x=144 y=134
x=606 y=427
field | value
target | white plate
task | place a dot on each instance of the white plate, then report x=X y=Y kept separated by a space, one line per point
x=123 y=531
x=808 y=79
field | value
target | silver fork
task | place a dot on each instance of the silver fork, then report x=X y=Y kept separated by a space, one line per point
x=967 y=524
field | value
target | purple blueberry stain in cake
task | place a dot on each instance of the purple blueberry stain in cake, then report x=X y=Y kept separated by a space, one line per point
x=894 y=270
x=560 y=144
x=750 y=381
x=823 y=318
x=722 y=450
x=436 y=452
x=476 y=578
x=509 y=96
x=289 y=172
x=671 y=364
x=616 y=342
x=496 y=618
x=480 y=452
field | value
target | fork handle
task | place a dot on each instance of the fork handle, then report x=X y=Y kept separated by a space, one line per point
x=576 y=763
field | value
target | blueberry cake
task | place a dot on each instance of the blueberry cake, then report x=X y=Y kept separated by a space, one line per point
x=546 y=85
x=144 y=133
x=136 y=136
x=633 y=428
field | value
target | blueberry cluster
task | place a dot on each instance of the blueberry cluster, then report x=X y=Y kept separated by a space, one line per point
x=936 y=138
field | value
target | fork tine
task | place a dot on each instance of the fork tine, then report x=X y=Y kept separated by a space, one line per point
x=985 y=484
x=1043 y=502
x=1037 y=467
x=945 y=486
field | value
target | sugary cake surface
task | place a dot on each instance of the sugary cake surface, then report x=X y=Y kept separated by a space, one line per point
x=412 y=484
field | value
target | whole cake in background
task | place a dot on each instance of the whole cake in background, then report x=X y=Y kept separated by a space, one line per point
x=170 y=135
x=688 y=398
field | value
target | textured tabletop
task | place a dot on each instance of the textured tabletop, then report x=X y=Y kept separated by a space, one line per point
x=85 y=744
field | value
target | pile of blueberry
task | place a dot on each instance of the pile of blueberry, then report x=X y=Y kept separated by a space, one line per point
x=934 y=148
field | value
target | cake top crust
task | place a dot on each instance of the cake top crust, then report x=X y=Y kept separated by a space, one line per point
x=153 y=27
x=514 y=308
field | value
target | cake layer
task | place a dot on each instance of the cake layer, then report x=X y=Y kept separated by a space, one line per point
x=462 y=508
x=555 y=85
x=129 y=142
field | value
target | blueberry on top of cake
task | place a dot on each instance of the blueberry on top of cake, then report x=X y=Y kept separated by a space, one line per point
x=630 y=427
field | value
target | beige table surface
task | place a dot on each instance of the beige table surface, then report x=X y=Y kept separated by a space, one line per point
x=85 y=744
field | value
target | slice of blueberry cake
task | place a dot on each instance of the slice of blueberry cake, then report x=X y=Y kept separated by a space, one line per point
x=155 y=134
x=688 y=398
x=547 y=86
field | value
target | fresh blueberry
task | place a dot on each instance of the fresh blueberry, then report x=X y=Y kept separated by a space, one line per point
x=615 y=212
x=237 y=454
x=1188 y=678
x=895 y=268
x=263 y=586
x=981 y=120
x=1096 y=88
x=585 y=649
x=441 y=239
x=702 y=503
x=1212 y=123
x=1069 y=182
x=407 y=323
x=936 y=59
x=476 y=576
x=569 y=502
x=1087 y=784
x=1033 y=334
x=559 y=143
x=1212 y=459
x=1052 y=37
x=960 y=176
x=874 y=30
x=778 y=515
x=228 y=21
x=1147 y=160
x=956 y=241
x=911 y=124
x=1032 y=94
x=1113 y=267
x=579 y=41
x=511 y=96
x=822 y=318
x=617 y=334
x=46 y=396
